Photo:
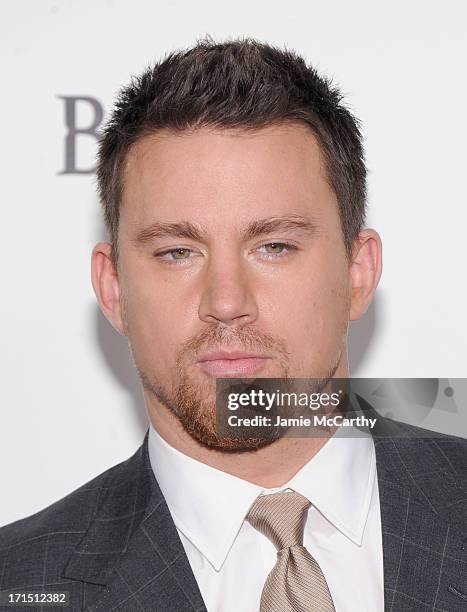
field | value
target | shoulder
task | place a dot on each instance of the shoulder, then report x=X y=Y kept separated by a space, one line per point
x=428 y=465
x=447 y=451
x=65 y=521
x=419 y=448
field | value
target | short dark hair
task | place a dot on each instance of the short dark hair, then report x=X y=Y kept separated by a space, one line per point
x=244 y=84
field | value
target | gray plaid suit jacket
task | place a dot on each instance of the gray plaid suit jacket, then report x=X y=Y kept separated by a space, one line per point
x=113 y=545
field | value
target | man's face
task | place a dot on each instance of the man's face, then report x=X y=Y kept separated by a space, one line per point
x=279 y=292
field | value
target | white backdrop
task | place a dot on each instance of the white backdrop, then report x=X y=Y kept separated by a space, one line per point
x=71 y=405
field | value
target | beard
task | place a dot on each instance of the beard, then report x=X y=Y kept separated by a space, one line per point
x=193 y=402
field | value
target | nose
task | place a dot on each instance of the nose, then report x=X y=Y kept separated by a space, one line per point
x=227 y=294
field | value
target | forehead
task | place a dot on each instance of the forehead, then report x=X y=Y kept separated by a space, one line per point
x=234 y=174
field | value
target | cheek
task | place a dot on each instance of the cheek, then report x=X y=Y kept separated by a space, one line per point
x=156 y=327
x=315 y=320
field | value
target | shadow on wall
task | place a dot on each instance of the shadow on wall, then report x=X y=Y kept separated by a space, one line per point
x=362 y=333
x=116 y=353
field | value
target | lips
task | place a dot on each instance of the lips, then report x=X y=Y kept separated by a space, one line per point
x=231 y=363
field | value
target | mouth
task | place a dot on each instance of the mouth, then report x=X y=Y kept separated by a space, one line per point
x=231 y=364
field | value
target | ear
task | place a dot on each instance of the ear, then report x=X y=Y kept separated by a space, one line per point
x=106 y=285
x=365 y=271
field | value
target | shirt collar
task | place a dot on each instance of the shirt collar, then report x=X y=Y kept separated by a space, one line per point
x=339 y=481
x=209 y=506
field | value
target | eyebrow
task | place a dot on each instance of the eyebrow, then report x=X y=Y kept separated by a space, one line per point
x=259 y=227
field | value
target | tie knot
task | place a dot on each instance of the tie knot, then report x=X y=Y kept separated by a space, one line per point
x=280 y=517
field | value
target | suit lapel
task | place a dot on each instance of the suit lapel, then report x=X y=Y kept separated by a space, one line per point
x=422 y=519
x=132 y=547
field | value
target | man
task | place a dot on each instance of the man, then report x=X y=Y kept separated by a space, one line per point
x=233 y=186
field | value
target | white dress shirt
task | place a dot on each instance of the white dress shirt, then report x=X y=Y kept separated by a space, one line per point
x=231 y=560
